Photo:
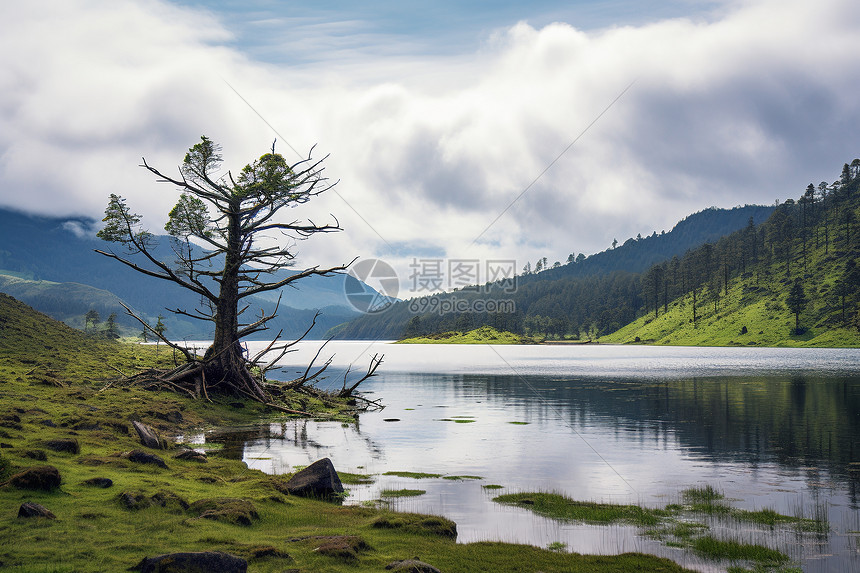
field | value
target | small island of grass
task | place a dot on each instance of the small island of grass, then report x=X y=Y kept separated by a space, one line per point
x=482 y=335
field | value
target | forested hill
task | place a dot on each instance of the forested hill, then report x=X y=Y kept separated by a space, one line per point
x=795 y=279
x=587 y=296
x=640 y=253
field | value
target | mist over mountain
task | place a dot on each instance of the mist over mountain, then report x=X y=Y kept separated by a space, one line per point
x=62 y=252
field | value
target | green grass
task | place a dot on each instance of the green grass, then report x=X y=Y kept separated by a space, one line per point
x=348 y=478
x=402 y=492
x=710 y=501
x=493 y=486
x=705 y=495
x=462 y=478
x=51 y=372
x=482 y=335
x=560 y=507
x=412 y=475
x=672 y=526
x=719 y=549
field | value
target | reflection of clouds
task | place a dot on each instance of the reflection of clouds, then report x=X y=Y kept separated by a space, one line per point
x=661 y=436
x=570 y=362
x=538 y=456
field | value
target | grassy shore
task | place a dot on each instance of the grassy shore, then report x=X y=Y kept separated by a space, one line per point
x=482 y=335
x=55 y=384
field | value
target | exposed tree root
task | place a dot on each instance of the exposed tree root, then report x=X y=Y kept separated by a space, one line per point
x=195 y=379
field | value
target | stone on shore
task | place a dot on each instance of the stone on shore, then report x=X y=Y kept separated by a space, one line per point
x=318 y=480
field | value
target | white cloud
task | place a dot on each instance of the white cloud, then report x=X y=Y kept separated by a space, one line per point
x=745 y=106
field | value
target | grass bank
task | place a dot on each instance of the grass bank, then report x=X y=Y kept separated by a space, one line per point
x=482 y=335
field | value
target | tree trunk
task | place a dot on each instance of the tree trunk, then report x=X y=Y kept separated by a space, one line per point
x=226 y=365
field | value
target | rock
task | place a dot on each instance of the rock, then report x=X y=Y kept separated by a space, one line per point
x=226 y=509
x=134 y=500
x=192 y=562
x=103 y=483
x=417 y=523
x=30 y=509
x=67 y=445
x=39 y=455
x=192 y=456
x=174 y=417
x=263 y=551
x=169 y=500
x=148 y=436
x=40 y=477
x=344 y=547
x=118 y=426
x=141 y=457
x=411 y=566
x=317 y=480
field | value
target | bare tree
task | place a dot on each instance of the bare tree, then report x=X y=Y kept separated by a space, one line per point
x=244 y=245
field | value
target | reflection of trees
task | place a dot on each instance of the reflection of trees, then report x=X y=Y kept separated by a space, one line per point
x=301 y=434
x=793 y=420
x=233 y=440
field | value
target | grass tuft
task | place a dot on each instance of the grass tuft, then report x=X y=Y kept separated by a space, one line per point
x=412 y=475
x=402 y=492
x=733 y=550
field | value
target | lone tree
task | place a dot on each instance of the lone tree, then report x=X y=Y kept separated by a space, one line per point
x=92 y=317
x=796 y=302
x=234 y=219
x=112 y=331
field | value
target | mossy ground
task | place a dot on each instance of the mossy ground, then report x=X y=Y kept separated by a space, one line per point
x=54 y=384
x=482 y=335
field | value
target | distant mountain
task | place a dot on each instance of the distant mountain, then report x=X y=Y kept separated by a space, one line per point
x=61 y=250
x=637 y=255
x=66 y=302
x=598 y=294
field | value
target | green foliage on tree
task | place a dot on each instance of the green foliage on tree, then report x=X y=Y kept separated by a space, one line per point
x=112 y=331
x=796 y=302
x=93 y=319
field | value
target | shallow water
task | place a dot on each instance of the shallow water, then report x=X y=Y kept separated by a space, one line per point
x=777 y=428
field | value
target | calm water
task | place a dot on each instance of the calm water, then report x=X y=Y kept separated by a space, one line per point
x=777 y=428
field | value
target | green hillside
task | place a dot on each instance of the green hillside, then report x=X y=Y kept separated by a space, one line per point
x=68 y=302
x=738 y=290
x=746 y=317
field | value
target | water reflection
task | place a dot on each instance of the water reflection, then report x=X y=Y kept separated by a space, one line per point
x=782 y=441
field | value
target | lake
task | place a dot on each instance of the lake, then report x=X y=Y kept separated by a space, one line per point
x=770 y=428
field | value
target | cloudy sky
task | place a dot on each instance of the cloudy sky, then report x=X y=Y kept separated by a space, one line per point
x=488 y=130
